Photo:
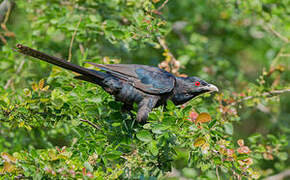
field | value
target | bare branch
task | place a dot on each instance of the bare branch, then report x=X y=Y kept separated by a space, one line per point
x=16 y=73
x=162 y=5
x=7 y=13
x=270 y=29
x=279 y=176
x=82 y=49
x=274 y=62
x=5 y=8
x=91 y=123
x=3 y=39
x=72 y=40
x=285 y=55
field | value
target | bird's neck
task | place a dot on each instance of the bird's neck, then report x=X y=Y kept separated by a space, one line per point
x=180 y=94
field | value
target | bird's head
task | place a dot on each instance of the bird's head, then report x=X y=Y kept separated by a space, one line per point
x=196 y=86
x=190 y=87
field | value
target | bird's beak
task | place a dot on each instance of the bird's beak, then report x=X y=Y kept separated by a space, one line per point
x=212 y=88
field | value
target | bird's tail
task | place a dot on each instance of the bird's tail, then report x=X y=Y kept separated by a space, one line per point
x=90 y=75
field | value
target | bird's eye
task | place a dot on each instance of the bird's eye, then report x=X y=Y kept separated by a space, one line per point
x=197 y=83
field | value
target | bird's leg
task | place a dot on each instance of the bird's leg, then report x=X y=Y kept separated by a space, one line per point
x=145 y=107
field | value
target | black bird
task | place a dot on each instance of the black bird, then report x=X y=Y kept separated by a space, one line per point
x=147 y=86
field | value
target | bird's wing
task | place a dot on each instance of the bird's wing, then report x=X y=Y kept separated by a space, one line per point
x=145 y=78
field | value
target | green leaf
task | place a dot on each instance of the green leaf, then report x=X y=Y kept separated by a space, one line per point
x=227 y=164
x=159 y=128
x=114 y=105
x=273 y=139
x=58 y=103
x=283 y=156
x=170 y=105
x=147 y=126
x=217 y=133
x=88 y=166
x=217 y=160
x=189 y=172
x=33 y=153
x=204 y=167
x=144 y=136
x=94 y=18
x=116 y=124
x=118 y=34
x=113 y=155
x=254 y=138
x=229 y=128
x=153 y=148
x=199 y=142
x=212 y=123
x=242 y=156
x=186 y=110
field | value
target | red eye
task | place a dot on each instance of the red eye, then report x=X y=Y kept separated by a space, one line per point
x=197 y=83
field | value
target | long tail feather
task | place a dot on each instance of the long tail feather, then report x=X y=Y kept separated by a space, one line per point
x=57 y=61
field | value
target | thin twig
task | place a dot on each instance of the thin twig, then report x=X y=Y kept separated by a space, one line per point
x=279 y=176
x=3 y=25
x=7 y=13
x=170 y=64
x=283 y=38
x=90 y=123
x=280 y=36
x=268 y=94
x=285 y=55
x=82 y=49
x=3 y=39
x=217 y=172
x=72 y=40
x=274 y=62
x=4 y=8
x=16 y=73
x=163 y=4
x=165 y=47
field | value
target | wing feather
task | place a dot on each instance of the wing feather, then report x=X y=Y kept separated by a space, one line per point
x=145 y=78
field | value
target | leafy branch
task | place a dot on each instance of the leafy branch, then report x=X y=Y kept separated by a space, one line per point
x=267 y=94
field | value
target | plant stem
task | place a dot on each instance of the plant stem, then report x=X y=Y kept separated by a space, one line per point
x=90 y=123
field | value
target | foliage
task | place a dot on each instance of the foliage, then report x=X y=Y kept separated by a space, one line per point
x=53 y=126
